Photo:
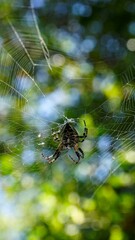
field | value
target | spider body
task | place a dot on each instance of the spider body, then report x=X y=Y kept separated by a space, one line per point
x=68 y=138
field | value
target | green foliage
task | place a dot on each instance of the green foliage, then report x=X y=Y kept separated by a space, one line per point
x=88 y=75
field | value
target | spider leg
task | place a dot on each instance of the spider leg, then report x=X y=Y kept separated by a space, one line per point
x=53 y=157
x=82 y=153
x=53 y=132
x=55 y=135
x=85 y=129
x=78 y=155
x=84 y=134
x=83 y=138
x=56 y=138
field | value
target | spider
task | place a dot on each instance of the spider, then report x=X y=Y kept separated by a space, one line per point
x=68 y=138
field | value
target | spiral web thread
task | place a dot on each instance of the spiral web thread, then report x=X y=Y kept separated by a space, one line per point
x=120 y=126
x=23 y=49
x=17 y=66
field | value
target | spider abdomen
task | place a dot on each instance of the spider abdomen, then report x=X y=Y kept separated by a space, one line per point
x=69 y=136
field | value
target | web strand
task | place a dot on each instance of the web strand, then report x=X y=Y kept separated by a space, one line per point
x=22 y=52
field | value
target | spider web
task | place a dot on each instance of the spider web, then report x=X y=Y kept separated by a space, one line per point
x=26 y=103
